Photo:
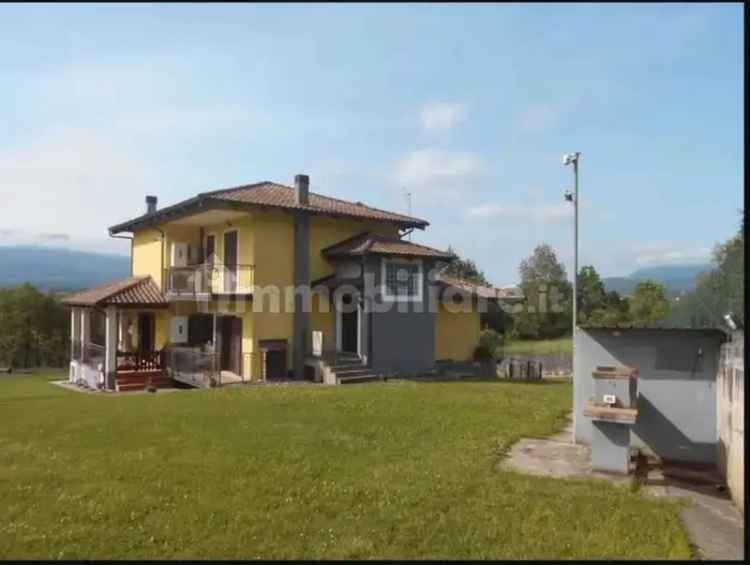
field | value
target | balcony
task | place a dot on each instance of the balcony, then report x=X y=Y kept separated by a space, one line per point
x=206 y=280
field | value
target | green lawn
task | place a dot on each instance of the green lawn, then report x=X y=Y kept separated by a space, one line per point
x=538 y=347
x=388 y=470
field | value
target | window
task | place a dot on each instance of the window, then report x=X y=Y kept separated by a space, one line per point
x=403 y=280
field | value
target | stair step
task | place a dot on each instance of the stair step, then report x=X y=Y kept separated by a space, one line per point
x=352 y=361
x=346 y=367
x=366 y=378
x=130 y=385
x=354 y=372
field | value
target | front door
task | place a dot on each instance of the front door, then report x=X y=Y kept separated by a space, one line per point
x=146 y=324
x=230 y=261
x=349 y=325
x=231 y=344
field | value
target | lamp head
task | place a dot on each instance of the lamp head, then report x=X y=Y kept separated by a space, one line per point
x=730 y=321
x=569 y=158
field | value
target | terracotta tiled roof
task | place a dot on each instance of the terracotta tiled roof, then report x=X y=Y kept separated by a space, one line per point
x=282 y=196
x=382 y=245
x=273 y=195
x=133 y=291
x=483 y=291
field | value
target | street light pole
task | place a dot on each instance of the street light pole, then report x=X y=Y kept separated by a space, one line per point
x=575 y=247
x=567 y=160
x=572 y=158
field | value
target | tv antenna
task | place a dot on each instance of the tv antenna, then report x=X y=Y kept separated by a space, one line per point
x=407 y=195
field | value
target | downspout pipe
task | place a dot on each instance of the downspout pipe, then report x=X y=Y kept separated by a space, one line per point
x=161 y=257
x=130 y=237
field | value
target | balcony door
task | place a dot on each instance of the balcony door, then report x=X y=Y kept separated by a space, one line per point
x=146 y=331
x=230 y=261
x=210 y=248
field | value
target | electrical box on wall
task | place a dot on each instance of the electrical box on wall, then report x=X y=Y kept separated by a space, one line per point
x=178 y=329
x=180 y=254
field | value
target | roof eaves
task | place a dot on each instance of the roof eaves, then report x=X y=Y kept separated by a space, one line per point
x=155 y=217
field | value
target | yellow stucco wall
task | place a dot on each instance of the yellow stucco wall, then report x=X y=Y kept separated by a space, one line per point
x=161 y=331
x=322 y=319
x=147 y=254
x=266 y=241
x=456 y=334
x=325 y=231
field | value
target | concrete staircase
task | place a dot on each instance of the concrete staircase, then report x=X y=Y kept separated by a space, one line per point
x=347 y=368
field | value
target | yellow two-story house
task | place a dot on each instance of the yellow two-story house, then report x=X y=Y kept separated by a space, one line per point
x=267 y=281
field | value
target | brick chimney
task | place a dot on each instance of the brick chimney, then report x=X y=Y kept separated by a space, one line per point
x=151 y=204
x=301 y=189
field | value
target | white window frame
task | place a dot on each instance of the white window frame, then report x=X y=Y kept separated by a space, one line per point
x=400 y=297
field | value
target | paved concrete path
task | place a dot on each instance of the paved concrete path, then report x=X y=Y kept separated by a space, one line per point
x=713 y=523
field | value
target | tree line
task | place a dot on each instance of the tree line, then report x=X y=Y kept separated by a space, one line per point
x=547 y=310
x=34 y=328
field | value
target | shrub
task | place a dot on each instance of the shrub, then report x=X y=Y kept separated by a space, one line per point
x=490 y=340
x=482 y=353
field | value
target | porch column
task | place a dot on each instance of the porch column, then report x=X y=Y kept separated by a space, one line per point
x=85 y=331
x=75 y=333
x=123 y=338
x=110 y=348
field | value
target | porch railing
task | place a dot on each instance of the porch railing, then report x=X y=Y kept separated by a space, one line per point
x=139 y=361
x=203 y=369
x=207 y=279
x=191 y=366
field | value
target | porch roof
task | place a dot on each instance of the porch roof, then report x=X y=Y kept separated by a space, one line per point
x=130 y=292
x=367 y=242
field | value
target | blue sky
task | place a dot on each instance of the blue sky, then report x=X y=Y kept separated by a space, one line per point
x=468 y=107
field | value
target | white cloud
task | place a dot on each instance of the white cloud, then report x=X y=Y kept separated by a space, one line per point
x=538 y=119
x=670 y=254
x=547 y=213
x=438 y=116
x=437 y=169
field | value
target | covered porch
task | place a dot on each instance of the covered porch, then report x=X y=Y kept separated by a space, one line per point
x=115 y=336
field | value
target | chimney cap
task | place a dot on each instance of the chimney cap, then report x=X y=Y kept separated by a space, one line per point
x=301 y=189
x=150 y=204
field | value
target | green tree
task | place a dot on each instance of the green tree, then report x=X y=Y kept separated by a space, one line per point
x=718 y=291
x=591 y=293
x=34 y=328
x=464 y=269
x=547 y=310
x=649 y=302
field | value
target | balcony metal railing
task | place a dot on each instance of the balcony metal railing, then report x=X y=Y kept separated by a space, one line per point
x=207 y=279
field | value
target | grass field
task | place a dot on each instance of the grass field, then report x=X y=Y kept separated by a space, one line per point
x=389 y=470
x=538 y=347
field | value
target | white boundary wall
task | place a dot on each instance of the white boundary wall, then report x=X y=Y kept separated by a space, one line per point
x=730 y=410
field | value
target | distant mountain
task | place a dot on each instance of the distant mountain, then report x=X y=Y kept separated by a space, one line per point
x=59 y=269
x=675 y=278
